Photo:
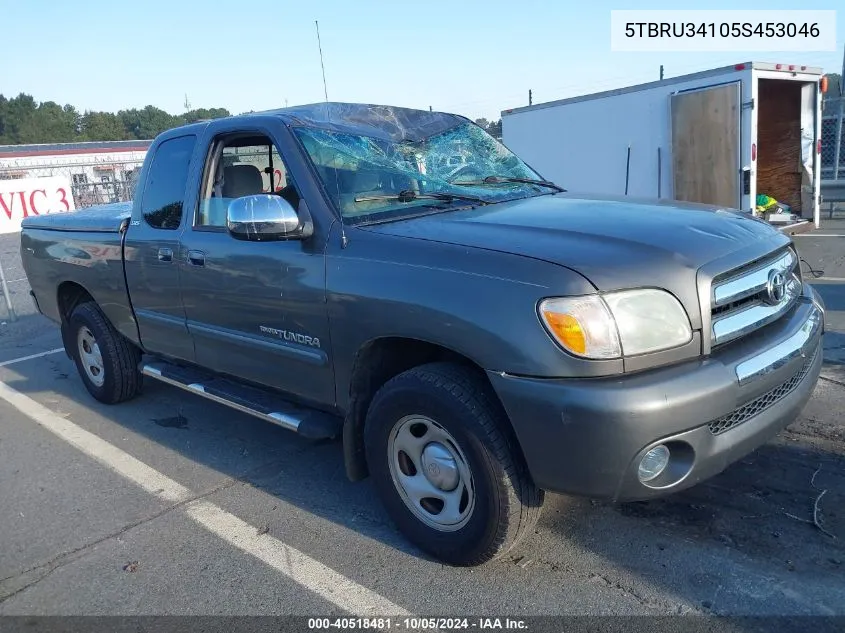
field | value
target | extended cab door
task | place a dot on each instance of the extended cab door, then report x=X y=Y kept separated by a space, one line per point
x=256 y=310
x=152 y=247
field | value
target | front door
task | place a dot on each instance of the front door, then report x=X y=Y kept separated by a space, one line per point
x=256 y=310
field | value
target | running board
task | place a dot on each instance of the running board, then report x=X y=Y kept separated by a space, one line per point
x=309 y=423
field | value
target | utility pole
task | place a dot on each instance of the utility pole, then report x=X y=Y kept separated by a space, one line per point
x=661 y=72
x=530 y=98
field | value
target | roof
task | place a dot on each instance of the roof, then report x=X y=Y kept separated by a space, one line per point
x=785 y=68
x=390 y=123
x=88 y=147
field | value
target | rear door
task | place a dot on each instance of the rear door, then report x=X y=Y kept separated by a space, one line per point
x=706 y=145
x=152 y=246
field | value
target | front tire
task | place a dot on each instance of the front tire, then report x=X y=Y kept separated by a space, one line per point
x=106 y=361
x=445 y=466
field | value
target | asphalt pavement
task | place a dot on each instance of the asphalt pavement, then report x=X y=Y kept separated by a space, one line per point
x=170 y=504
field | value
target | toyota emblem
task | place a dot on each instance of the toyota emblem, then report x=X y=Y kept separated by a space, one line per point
x=775 y=287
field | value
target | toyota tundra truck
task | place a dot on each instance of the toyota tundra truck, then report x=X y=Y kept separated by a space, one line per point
x=471 y=332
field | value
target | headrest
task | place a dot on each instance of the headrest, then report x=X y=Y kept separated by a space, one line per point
x=242 y=180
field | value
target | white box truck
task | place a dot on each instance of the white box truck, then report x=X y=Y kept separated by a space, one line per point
x=719 y=137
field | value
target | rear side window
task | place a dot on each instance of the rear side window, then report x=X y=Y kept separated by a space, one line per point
x=164 y=192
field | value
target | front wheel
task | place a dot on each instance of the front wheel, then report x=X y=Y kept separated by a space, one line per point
x=445 y=466
x=107 y=362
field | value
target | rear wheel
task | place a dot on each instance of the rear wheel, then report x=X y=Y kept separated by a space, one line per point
x=445 y=466
x=107 y=362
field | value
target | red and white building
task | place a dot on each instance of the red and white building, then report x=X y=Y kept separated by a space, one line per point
x=99 y=171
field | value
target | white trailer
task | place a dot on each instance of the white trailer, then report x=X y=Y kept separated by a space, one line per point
x=719 y=137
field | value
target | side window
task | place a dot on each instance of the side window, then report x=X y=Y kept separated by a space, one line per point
x=242 y=167
x=165 y=190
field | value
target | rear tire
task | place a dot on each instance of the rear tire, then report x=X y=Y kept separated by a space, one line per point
x=446 y=467
x=107 y=362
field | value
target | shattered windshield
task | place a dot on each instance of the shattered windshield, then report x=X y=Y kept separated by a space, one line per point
x=372 y=178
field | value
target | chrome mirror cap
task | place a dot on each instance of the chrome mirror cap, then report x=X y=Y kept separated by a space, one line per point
x=264 y=217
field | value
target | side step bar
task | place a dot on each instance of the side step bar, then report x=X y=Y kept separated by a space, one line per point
x=262 y=404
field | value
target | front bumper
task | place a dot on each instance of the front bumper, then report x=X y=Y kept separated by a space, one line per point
x=588 y=436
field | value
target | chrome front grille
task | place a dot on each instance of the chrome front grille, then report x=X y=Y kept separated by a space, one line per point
x=753 y=296
x=760 y=403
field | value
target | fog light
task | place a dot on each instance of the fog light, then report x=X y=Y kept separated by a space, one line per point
x=653 y=463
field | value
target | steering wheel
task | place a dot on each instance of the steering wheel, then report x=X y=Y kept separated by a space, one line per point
x=466 y=173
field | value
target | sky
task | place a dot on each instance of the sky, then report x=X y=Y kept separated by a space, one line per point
x=472 y=57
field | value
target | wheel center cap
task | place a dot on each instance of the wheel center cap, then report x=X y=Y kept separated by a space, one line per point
x=439 y=467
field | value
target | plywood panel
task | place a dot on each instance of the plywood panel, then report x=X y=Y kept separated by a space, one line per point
x=705 y=145
x=779 y=142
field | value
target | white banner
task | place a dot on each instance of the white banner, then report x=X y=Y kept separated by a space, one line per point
x=32 y=196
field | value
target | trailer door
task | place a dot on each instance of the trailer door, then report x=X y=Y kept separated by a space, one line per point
x=706 y=145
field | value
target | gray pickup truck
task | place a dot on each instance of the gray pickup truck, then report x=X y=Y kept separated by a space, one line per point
x=475 y=334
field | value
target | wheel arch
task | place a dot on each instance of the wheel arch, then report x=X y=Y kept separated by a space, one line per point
x=376 y=362
x=70 y=294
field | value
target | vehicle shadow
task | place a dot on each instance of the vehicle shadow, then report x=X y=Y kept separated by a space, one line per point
x=833 y=295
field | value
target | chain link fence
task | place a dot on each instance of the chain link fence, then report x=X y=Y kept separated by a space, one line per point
x=833 y=159
x=833 y=147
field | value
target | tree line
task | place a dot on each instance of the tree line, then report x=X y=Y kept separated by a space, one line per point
x=23 y=120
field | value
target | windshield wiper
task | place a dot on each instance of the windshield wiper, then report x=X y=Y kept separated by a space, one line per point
x=494 y=180
x=410 y=196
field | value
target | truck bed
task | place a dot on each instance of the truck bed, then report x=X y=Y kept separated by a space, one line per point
x=68 y=253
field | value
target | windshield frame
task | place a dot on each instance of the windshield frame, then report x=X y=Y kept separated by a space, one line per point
x=420 y=207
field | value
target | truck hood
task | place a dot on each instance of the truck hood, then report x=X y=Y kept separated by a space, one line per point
x=104 y=218
x=616 y=243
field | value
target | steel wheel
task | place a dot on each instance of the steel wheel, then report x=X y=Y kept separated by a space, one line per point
x=431 y=473
x=90 y=356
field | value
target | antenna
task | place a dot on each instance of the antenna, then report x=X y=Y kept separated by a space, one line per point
x=187 y=103
x=320 y=47
x=344 y=241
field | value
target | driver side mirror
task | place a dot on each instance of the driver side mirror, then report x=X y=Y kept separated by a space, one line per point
x=264 y=218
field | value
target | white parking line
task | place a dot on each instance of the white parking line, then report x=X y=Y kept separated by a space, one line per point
x=119 y=461
x=301 y=568
x=31 y=356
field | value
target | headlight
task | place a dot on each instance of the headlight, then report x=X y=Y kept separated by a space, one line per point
x=607 y=326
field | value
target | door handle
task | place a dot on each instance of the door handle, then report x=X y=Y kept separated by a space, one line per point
x=196 y=258
x=165 y=255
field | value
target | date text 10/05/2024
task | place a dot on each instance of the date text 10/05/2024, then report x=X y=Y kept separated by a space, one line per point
x=416 y=623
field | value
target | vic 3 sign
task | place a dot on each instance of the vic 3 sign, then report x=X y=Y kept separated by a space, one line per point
x=20 y=199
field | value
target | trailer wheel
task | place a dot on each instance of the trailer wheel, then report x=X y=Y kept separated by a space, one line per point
x=444 y=467
x=106 y=361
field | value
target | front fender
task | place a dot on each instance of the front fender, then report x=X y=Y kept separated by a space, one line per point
x=477 y=303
